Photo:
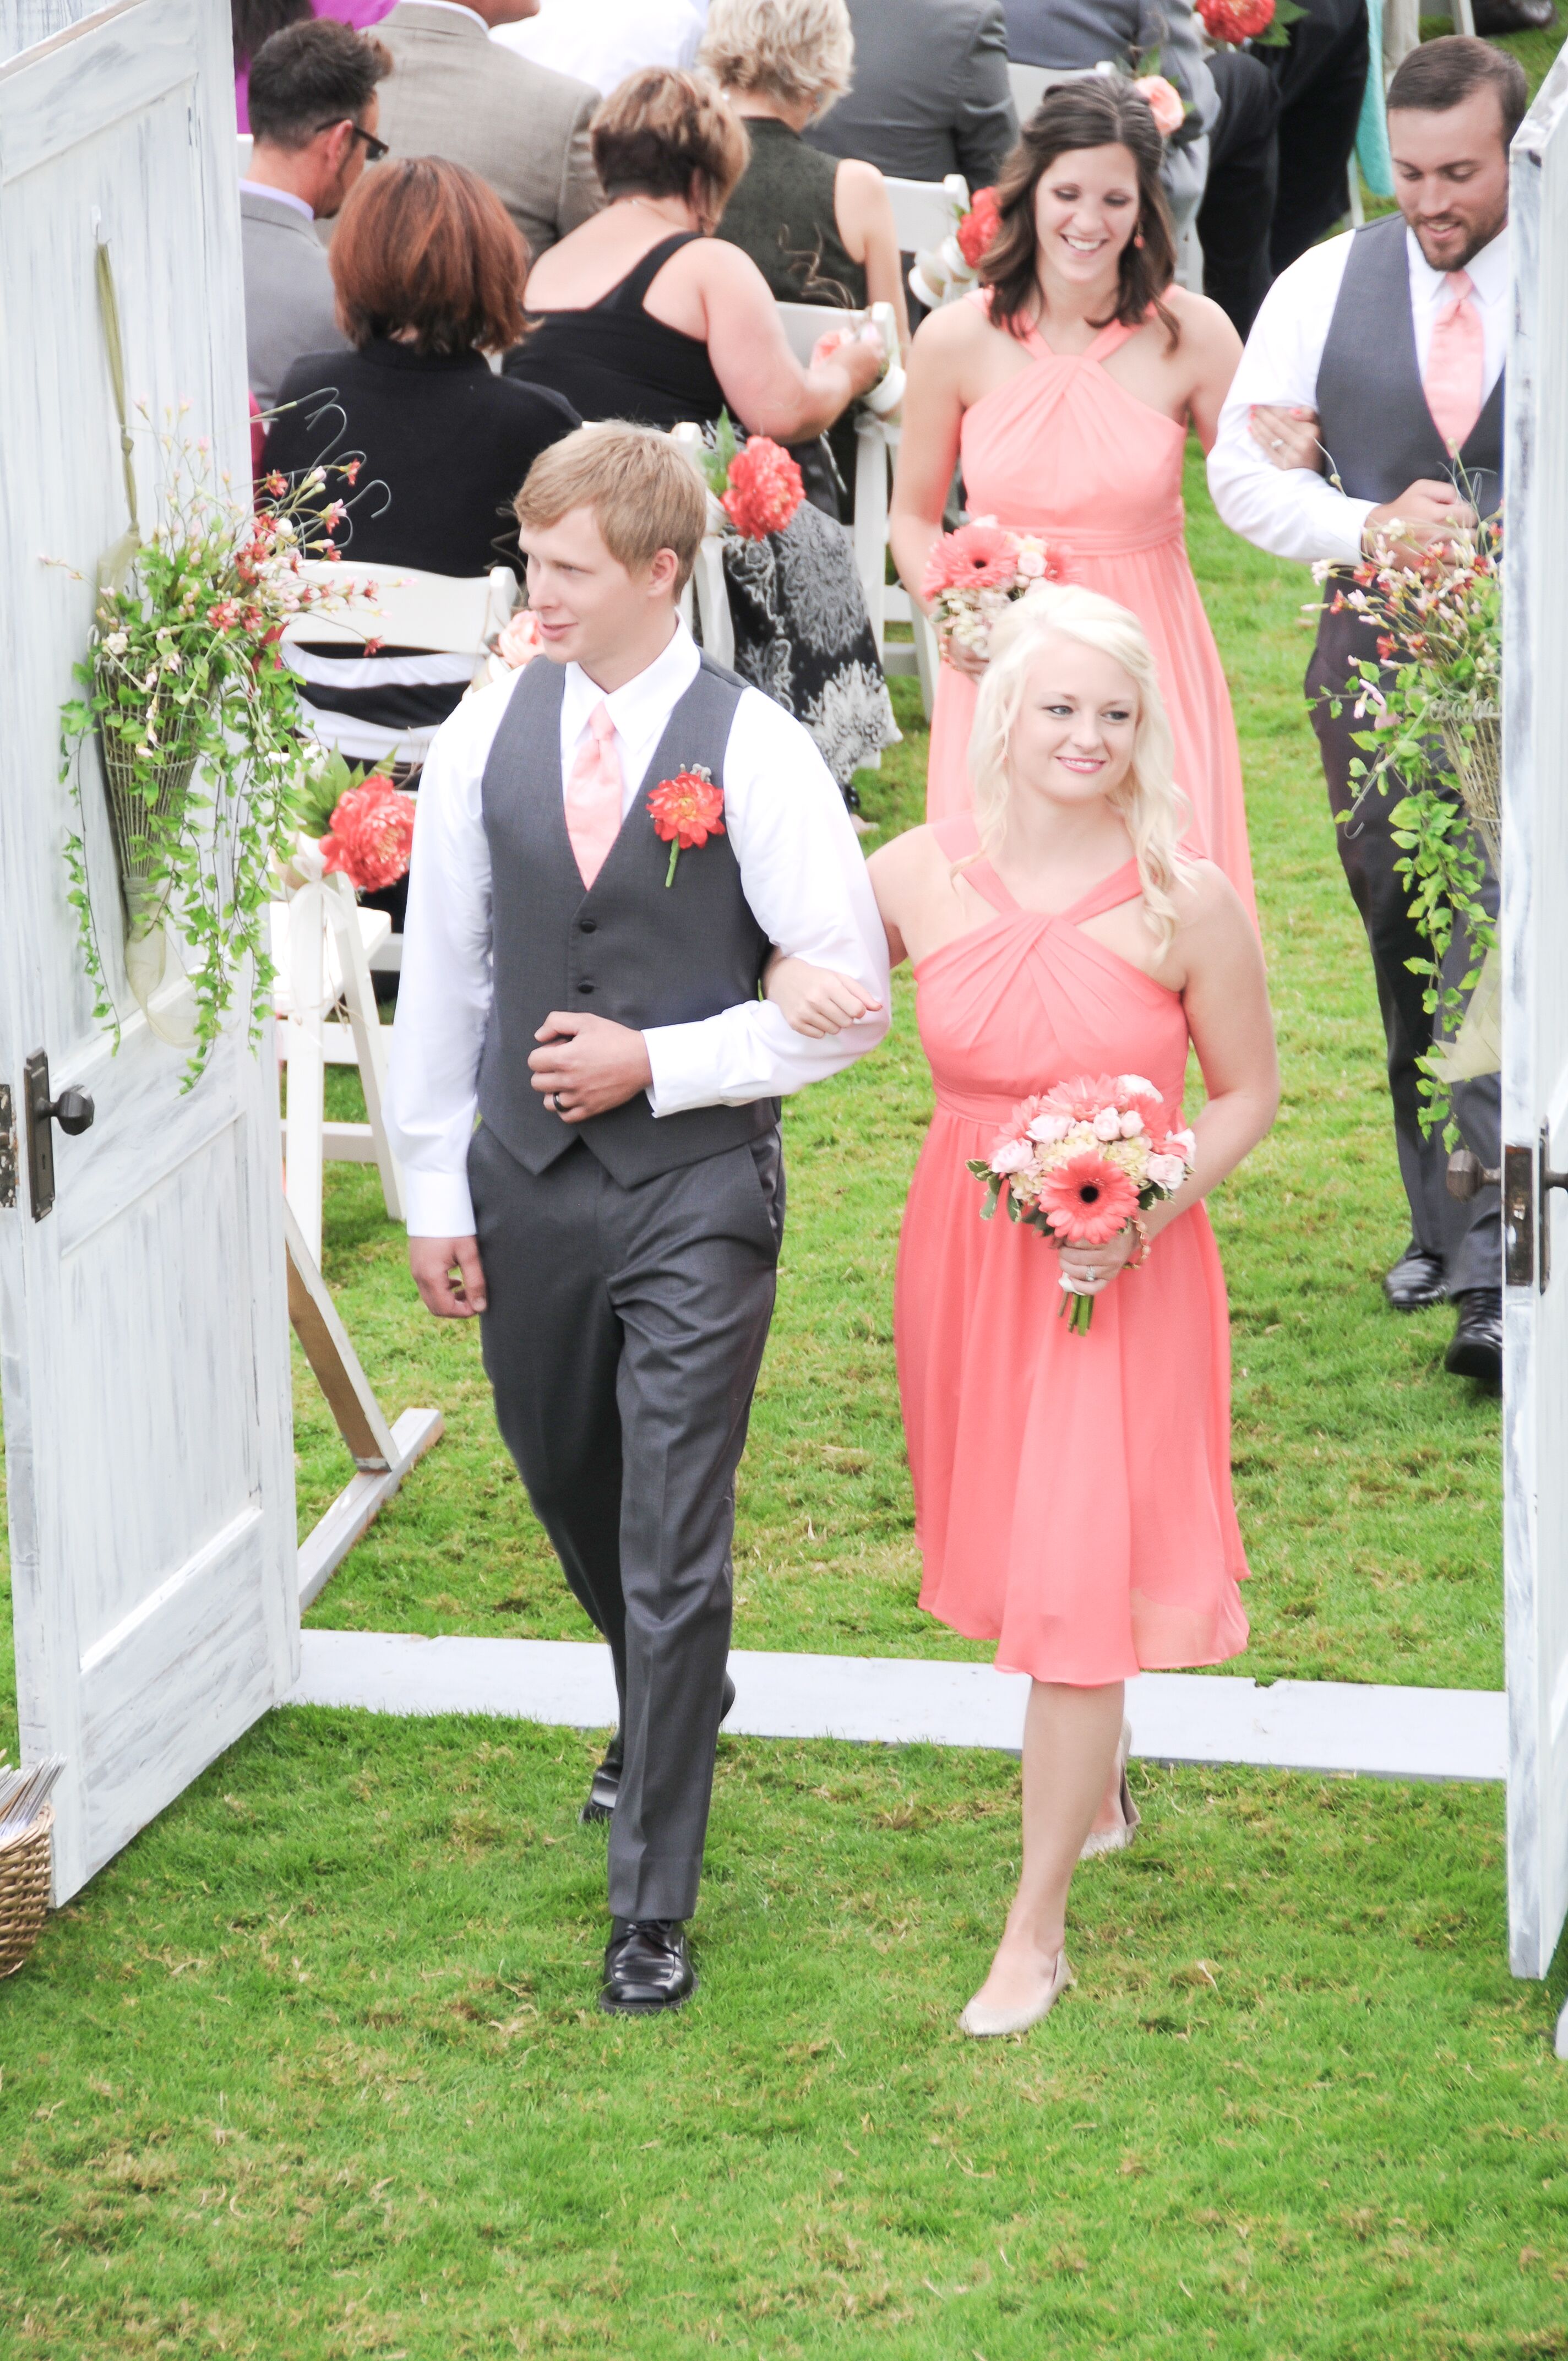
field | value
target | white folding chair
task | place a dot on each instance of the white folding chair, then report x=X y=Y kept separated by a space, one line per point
x=1030 y=83
x=706 y=590
x=247 y=145
x=445 y=621
x=925 y=212
x=876 y=440
x=322 y=945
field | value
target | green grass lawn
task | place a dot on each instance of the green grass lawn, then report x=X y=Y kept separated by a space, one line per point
x=313 y=2068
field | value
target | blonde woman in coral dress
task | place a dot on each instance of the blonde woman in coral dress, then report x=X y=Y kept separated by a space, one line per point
x=1073 y=1492
x=1064 y=389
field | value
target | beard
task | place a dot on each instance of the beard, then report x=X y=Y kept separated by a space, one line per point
x=1481 y=234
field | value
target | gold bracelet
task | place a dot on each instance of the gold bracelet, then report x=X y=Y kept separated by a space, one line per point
x=1143 y=1246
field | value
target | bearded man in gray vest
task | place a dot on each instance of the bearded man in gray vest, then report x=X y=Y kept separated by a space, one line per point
x=580 y=974
x=1370 y=395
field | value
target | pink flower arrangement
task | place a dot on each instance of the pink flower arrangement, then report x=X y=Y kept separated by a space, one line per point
x=1077 y=1163
x=518 y=642
x=973 y=575
x=370 y=836
x=979 y=226
x=1165 y=102
x=764 y=489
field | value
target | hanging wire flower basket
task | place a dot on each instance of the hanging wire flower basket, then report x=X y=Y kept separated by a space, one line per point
x=1473 y=743
x=148 y=806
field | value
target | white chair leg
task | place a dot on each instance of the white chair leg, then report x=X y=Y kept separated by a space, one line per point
x=306 y=1065
x=713 y=601
x=369 y=1038
x=927 y=657
x=871 y=521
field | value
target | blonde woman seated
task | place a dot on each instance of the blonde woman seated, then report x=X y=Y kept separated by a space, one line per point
x=819 y=228
x=1072 y=1491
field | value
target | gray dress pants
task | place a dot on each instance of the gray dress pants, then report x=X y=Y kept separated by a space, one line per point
x=1466 y=1238
x=623 y=1337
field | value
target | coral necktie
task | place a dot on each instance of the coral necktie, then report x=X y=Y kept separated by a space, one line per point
x=593 y=795
x=1457 y=363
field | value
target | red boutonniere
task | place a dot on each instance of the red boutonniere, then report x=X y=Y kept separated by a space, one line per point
x=688 y=810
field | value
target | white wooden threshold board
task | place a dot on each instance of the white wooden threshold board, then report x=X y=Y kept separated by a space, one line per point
x=1323 y=1726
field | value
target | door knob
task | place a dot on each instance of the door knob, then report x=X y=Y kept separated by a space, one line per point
x=1467 y=1176
x=73 y=1109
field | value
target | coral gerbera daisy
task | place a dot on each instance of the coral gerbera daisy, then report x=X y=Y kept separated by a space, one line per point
x=1087 y=1199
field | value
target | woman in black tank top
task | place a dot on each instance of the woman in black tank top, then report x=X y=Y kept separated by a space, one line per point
x=613 y=360
x=665 y=144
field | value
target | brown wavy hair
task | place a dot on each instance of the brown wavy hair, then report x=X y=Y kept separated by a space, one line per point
x=426 y=244
x=1092 y=114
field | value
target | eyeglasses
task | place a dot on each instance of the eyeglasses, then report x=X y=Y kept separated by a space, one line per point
x=374 y=149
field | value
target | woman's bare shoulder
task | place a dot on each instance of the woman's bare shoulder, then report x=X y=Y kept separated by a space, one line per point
x=1208 y=907
x=950 y=335
x=909 y=860
x=1206 y=331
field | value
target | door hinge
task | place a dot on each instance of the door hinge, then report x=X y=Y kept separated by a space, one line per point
x=8 y=1148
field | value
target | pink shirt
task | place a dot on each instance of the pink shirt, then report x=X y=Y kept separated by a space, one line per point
x=360 y=14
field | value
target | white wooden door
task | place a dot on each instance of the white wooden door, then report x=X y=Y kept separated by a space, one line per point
x=143 y=1323
x=1535 y=1036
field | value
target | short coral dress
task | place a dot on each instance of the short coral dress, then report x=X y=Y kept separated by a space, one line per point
x=1073 y=1492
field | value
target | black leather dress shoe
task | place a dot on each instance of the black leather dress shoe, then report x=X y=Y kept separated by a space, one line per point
x=646 y=1967
x=1476 y=1350
x=606 y=1778
x=1416 y=1282
x=1494 y=17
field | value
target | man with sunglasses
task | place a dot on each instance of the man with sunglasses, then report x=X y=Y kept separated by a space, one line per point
x=313 y=120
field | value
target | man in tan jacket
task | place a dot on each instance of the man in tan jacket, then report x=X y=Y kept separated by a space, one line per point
x=523 y=128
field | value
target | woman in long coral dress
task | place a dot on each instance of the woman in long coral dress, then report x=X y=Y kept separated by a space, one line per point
x=1072 y=1491
x=1064 y=389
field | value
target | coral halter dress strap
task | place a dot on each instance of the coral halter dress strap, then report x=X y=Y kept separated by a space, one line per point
x=959 y=840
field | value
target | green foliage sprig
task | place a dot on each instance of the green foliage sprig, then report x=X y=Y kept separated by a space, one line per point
x=1432 y=697
x=197 y=723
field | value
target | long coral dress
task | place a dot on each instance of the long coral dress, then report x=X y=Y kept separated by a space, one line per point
x=1073 y=1492
x=1065 y=450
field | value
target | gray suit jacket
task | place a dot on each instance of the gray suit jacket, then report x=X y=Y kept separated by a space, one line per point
x=287 y=291
x=523 y=128
x=930 y=93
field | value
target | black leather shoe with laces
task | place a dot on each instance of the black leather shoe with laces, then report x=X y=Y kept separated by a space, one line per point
x=1416 y=1282
x=646 y=1967
x=1476 y=1350
x=606 y=1778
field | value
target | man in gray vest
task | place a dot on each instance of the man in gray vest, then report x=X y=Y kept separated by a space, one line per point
x=1370 y=394
x=609 y=844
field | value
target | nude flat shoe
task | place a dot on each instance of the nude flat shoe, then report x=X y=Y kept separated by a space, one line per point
x=987 y=2022
x=1116 y=1840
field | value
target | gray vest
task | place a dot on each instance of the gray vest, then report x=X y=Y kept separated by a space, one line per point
x=628 y=949
x=1373 y=417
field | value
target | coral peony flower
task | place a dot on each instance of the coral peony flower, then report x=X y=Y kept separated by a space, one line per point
x=1165 y=100
x=765 y=489
x=1235 y=20
x=976 y=557
x=979 y=225
x=370 y=836
x=520 y=641
x=1086 y=1200
x=688 y=810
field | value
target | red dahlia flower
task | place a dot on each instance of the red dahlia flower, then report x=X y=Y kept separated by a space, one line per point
x=764 y=489
x=1235 y=20
x=688 y=810
x=370 y=836
x=979 y=226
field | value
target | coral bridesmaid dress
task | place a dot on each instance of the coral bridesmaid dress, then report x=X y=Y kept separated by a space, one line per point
x=1065 y=450
x=1072 y=1493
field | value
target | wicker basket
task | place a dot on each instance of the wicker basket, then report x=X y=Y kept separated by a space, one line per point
x=24 y=1891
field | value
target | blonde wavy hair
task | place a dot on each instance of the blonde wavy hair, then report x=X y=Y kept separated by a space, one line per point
x=1152 y=806
x=792 y=50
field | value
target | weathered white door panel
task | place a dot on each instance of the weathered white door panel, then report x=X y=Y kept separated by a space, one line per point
x=1535 y=1036
x=143 y=1323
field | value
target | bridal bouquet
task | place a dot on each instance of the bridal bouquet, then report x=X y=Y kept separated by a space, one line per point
x=973 y=575
x=1081 y=1161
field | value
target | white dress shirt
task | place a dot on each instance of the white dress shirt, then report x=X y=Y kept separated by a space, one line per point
x=801 y=869
x=277 y=197
x=1290 y=512
x=603 y=41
